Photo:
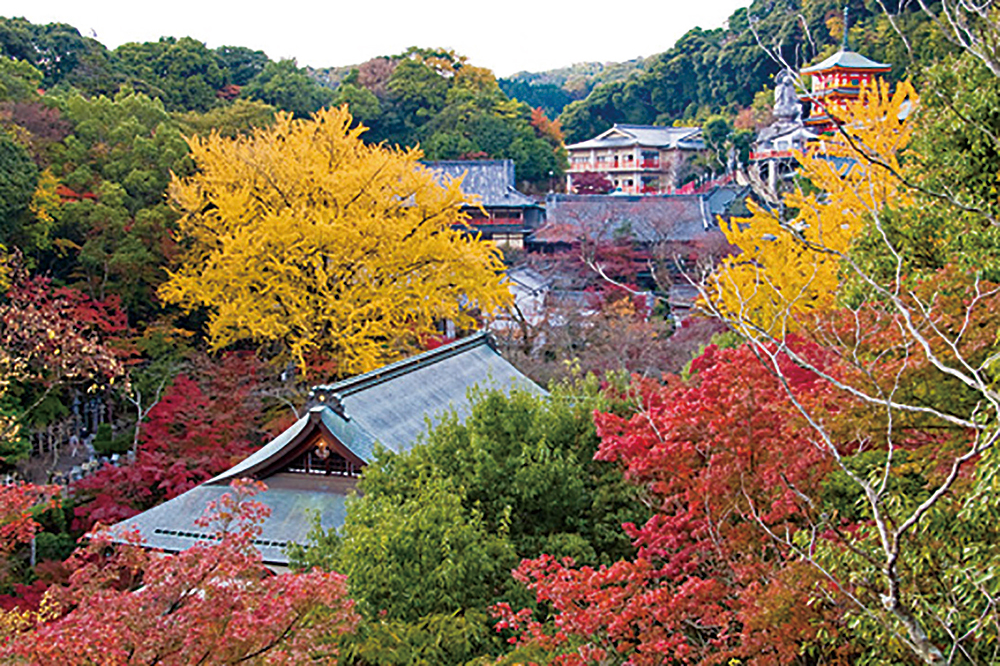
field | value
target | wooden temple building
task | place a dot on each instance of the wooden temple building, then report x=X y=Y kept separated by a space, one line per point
x=502 y=214
x=314 y=465
x=836 y=82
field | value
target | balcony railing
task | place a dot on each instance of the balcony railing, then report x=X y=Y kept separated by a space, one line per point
x=610 y=165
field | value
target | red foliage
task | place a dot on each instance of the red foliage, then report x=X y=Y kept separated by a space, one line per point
x=550 y=130
x=435 y=341
x=29 y=597
x=17 y=525
x=590 y=182
x=215 y=602
x=69 y=195
x=725 y=458
x=58 y=334
x=205 y=423
x=228 y=92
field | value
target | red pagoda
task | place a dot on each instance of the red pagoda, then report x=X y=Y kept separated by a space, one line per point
x=837 y=81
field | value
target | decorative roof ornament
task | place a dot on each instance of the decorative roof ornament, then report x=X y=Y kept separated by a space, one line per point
x=844 y=46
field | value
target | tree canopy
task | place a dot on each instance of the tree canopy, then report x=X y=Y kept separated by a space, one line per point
x=303 y=236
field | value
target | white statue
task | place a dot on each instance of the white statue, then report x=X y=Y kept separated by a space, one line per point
x=786 y=102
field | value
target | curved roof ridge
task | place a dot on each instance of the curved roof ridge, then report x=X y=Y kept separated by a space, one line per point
x=346 y=387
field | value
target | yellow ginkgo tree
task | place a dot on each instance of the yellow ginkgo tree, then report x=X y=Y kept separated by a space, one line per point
x=790 y=255
x=303 y=239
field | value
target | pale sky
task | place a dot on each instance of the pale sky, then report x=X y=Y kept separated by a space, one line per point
x=506 y=36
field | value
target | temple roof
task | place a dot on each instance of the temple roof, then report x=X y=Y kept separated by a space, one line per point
x=392 y=406
x=493 y=181
x=844 y=59
x=652 y=136
x=646 y=219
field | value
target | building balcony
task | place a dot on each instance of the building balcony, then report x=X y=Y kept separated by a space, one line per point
x=608 y=166
x=770 y=154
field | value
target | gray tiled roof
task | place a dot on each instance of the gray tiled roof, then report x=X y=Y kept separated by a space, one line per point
x=846 y=60
x=644 y=135
x=171 y=525
x=392 y=405
x=721 y=199
x=647 y=219
x=493 y=181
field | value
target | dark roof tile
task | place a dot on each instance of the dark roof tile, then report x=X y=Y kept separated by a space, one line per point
x=493 y=181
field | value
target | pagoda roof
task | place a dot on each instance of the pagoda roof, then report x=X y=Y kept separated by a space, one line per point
x=845 y=59
x=392 y=406
x=652 y=136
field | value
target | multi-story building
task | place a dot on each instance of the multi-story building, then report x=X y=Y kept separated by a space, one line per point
x=636 y=159
x=836 y=82
x=501 y=214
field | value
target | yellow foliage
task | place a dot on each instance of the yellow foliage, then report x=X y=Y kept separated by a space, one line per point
x=16 y=621
x=789 y=267
x=45 y=200
x=302 y=235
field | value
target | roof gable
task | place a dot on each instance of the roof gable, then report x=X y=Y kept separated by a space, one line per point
x=653 y=136
x=392 y=405
x=309 y=434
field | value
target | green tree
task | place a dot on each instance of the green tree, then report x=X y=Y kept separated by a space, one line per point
x=184 y=73
x=240 y=117
x=361 y=102
x=416 y=93
x=423 y=571
x=718 y=133
x=64 y=57
x=18 y=177
x=428 y=544
x=240 y=63
x=114 y=237
x=284 y=86
x=19 y=80
x=550 y=97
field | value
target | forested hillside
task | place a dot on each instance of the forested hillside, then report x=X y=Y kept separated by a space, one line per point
x=721 y=70
x=552 y=90
x=434 y=98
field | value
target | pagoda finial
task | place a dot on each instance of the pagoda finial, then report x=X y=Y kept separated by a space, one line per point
x=843 y=46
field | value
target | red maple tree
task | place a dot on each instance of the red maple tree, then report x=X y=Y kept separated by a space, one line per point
x=207 y=421
x=726 y=459
x=213 y=603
